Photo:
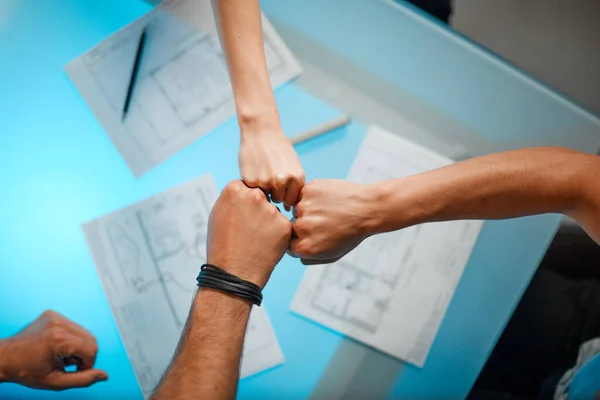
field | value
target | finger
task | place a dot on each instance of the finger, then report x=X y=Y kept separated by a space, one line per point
x=287 y=208
x=316 y=261
x=277 y=194
x=59 y=380
x=294 y=230
x=292 y=193
x=82 y=349
x=72 y=360
x=74 y=328
x=258 y=184
x=290 y=251
x=264 y=192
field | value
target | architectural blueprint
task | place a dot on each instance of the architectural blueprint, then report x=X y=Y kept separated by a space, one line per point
x=393 y=290
x=182 y=91
x=147 y=257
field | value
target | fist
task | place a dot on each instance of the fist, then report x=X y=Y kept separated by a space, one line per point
x=37 y=356
x=268 y=161
x=332 y=217
x=247 y=235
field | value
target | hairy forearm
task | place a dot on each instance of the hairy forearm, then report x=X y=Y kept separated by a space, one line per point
x=240 y=29
x=206 y=363
x=502 y=185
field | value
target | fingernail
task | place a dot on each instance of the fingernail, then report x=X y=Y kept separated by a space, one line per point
x=102 y=377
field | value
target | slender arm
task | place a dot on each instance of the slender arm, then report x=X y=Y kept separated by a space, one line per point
x=206 y=363
x=266 y=157
x=240 y=29
x=497 y=186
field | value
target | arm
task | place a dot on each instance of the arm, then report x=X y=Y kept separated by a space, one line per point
x=267 y=159
x=247 y=236
x=333 y=217
x=499 y=186
x=37 y=356
x=240 y=30
x=211 y=346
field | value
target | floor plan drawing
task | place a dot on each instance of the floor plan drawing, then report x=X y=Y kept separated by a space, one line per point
x=392 y=291
x=182 y=90
x=147 y=257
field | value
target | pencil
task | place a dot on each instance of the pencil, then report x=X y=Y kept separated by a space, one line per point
x=136 y=68
x=320 y=130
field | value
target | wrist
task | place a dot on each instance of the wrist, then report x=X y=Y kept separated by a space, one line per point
x=396 y=204
x=243 y=271
x=259 y=121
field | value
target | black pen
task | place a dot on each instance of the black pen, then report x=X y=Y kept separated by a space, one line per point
x=136 y=68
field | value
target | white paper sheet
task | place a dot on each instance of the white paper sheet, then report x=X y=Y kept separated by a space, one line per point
x=148 y=256
x=182 y=91
x=393 y=290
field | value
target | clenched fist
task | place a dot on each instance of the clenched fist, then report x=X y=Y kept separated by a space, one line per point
x=37 y=356
x=268 y=161
x=332 y=217
x=247 y=235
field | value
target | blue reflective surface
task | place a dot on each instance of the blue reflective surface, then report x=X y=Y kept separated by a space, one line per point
x=58 y=169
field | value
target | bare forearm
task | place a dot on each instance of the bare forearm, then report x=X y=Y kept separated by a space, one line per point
x=206 y=363
x=3 y=345
x=503 y=185
x=240 y=29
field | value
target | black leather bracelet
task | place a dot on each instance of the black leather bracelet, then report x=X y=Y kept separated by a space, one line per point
x=213 y=277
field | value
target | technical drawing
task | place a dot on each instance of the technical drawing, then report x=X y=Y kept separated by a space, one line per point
x=157 y=247
x=183 y=89
x=392 y=291
x=359 y=287
x=126 y=251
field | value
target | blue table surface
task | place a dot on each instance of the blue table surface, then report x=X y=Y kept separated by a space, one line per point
x=59 y=169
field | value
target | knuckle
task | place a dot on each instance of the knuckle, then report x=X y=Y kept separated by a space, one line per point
x=299 y=227
x=308 y=189
x=300 y=247
x=306 y=203
x=283 y=222
x=53 y=323
x=233 y=186
x=264 y=183
x=281 y=180
x=256 y=194
x=306 y=248
x=251 y=182
x=56 y=335
x=51 y=318
x=300 y=177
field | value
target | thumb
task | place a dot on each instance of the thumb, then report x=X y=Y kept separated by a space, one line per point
x=60 y=380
